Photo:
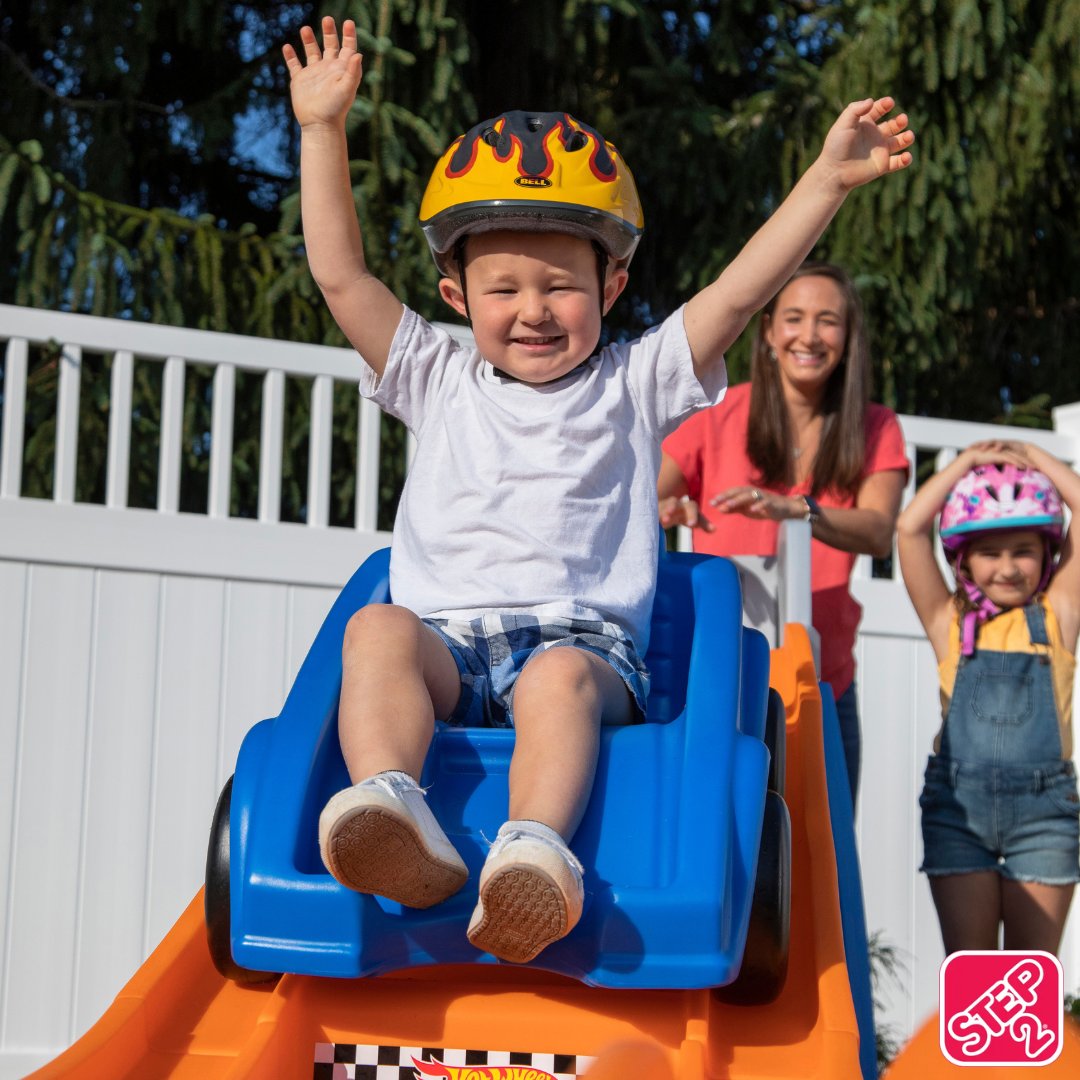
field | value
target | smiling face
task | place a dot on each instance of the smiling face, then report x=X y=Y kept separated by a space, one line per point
x=533 y=301
x=1006 y=565
x=808 y=332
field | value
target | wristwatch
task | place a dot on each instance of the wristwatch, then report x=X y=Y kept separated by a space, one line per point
x=813 y=510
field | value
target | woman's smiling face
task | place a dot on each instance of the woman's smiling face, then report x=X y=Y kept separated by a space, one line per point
x=808 y=331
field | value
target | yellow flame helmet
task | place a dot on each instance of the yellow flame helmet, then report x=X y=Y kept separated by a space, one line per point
x=534 y=172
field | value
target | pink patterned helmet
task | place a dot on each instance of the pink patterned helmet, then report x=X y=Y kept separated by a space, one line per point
x=1001 y=496
x=990 y=497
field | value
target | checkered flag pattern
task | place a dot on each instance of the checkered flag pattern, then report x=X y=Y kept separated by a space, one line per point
x=348 y=1061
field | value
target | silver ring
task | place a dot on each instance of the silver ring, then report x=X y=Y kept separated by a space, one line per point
x=756 y=494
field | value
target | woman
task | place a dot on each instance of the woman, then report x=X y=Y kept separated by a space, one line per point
x=802 y=440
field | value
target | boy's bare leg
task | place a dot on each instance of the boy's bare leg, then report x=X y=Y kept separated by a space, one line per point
x=397 y=678
x=380 y=836
x=561 y=698
x=1034 y=914
x=968 y=909
x=531 y=890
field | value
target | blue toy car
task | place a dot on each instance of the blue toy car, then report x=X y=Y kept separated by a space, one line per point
x=685 y=838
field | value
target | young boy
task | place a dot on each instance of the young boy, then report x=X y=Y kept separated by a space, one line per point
x=525 y=546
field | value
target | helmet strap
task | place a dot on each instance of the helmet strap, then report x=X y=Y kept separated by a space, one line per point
x=459 y=259
x=601 y=270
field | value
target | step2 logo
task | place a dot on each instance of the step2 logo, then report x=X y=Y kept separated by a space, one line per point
x=1001 y=1008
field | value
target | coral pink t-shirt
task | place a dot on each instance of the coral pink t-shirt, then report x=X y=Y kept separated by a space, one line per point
x=710 y=449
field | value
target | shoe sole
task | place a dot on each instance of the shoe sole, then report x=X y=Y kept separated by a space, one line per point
x=372 y=850
x=524 y=911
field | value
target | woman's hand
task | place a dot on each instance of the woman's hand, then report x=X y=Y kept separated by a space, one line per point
x=323 y=90
x=761 y=505
x=682 y=510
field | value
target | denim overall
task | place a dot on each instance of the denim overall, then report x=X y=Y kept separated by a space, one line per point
x=998 y=795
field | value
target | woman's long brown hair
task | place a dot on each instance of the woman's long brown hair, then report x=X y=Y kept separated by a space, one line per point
x=841 y=452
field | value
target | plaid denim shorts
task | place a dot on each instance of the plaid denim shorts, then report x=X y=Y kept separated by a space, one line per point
x=492 y=650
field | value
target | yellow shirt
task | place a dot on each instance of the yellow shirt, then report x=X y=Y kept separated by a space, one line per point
x=1008 y=632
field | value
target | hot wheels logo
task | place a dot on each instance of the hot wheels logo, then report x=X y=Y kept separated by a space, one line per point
x=435 y=1068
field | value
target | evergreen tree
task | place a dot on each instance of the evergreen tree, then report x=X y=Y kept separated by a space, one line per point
x=968 y=261
x=148 y=170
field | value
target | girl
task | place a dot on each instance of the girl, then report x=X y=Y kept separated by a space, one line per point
x=999 y=806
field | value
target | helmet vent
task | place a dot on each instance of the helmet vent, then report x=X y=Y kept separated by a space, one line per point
x=577 y=141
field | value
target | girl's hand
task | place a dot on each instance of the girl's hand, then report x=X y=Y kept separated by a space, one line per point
x=761 y=505
x=683 y=511
x=996 y=452
x=862 y=145
x=323 y=91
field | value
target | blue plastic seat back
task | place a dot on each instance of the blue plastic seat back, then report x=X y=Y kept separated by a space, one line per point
x=669 y=839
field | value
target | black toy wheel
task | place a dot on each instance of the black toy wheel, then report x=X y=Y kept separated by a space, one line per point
x=216 y=897
x=765 y=958
x=776 y=741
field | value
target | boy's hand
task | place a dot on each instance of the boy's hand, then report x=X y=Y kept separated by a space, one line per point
x=862 y=145
x=323 y=91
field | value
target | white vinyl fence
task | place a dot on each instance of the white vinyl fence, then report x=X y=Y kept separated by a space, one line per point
x=137 y=646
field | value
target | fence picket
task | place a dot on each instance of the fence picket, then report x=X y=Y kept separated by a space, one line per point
x=11 y=438
x=221 y=441
x=172 y=430
x=273 y=424
x=119 y=459
x=67 y=424
x=367 y=465
x=322 y=430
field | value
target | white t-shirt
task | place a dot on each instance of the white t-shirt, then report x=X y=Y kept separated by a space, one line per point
x=534 y=499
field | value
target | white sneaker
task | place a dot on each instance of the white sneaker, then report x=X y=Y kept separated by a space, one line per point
x=531 y=893
x=380 y=836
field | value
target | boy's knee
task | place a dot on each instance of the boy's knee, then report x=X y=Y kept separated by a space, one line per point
x=379 y=622
x=574 y=669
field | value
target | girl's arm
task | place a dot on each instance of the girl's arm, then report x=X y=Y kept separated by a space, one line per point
x=930 y=593
x=865 y=529
x=1064 y=589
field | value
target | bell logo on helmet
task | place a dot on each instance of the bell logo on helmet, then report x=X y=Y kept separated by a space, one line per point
x=532 y=181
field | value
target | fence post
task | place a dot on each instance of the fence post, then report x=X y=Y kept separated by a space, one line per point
x=1067 y=422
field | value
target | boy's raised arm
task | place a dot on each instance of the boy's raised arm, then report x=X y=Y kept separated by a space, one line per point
x=322 y=91
x=861 y=146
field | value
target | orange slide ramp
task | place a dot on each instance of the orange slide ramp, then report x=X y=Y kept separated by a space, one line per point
x=179 y=1018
